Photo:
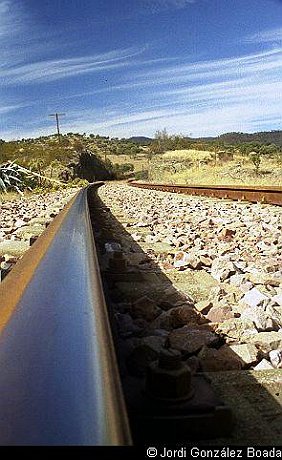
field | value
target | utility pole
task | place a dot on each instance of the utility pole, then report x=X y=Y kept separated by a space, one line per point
x=57 y=115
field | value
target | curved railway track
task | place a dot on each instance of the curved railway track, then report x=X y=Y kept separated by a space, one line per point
x=269 y=195
x=62 y=380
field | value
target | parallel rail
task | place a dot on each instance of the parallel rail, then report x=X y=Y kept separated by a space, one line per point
x=59 y=382
x=269 y=195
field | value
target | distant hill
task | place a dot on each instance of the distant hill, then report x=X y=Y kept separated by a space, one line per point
x=140 y=140
x=264 y=137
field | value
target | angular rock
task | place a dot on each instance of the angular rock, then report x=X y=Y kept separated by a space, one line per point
x=267 y=341
x=217 y=293
x=19 y=223
x=161 y=322
x=125 y=324
x=14 y=248
x=273 y=279
x=278 y=299
x=156 y=343
x=237 y=329
x=143 y=354
x=136 y=236
x=222 y=269
x=237 y=279
x=189 y=341
x=145 y=308
x=173 y=298
x=29 y=230
x=178 y=317
x=275 y=357
x=263 y=365
x=206 y=261
x=246 y=286
x=275 y=313
x=220 y=314
x=223 y=359
x=181 y=259
x=248 y=354
x=254 y=297
x=194 y=263
x=203 y=306
x=227 y=233
x=262 y=320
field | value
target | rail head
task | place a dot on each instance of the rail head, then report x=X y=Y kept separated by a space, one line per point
x=269 y=195
x=59 y=382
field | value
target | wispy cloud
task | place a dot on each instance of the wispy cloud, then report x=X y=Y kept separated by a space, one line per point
x=181 y=78
x=206 y=79
x=222 y=67
x=266 y=36
x=158 y=5
x=146 y=91
x=240 y=115
x=212 y=96
x=10 y=20
x=55 y=69
x=10 y=108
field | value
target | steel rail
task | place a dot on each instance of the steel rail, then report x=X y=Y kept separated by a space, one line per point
x=59 y=382
x=269 y=195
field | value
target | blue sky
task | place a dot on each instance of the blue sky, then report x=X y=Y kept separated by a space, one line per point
x=132 y=67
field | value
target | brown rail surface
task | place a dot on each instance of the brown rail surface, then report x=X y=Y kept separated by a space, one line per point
x=269 y=195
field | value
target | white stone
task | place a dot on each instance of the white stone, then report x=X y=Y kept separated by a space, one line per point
x=263 y=366
x=277 y=299
x=19 y=223
x=254 y=297
x=275 y=357
x=181 y=259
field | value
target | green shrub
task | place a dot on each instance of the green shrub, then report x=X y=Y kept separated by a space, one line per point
x=122 y=170
x=142 y=175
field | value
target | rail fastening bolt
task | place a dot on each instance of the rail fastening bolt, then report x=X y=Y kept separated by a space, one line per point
x=169 y=379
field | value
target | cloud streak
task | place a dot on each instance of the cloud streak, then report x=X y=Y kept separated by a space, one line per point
x=10 y=108
x=240 y=65
x=156 y=6
x=165 y=4
x=266 y=36
x=51 y=70
x=215 y=96
x=11 y=22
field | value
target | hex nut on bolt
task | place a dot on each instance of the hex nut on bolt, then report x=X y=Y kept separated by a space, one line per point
x=169 y=379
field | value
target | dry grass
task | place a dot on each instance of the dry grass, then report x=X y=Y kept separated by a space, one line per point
x=9 y=196
x=188 y=167
x=139 y=161
x=193 y=155
x=173 y=167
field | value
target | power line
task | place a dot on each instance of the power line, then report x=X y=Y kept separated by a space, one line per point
x=57 y=115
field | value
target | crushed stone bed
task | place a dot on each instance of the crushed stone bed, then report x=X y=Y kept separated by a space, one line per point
x=211 y=278
x=23 y=220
